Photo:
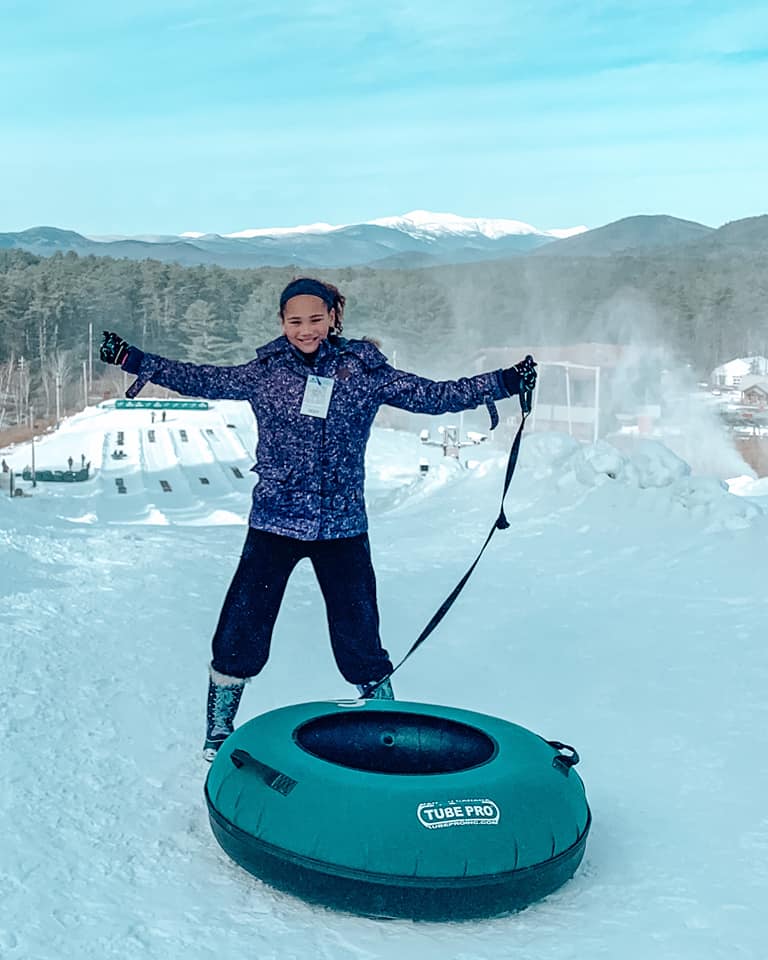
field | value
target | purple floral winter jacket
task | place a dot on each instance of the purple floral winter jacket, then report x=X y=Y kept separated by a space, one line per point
x=311 y=470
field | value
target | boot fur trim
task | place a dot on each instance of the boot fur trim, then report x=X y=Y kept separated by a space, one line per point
x=222 y=680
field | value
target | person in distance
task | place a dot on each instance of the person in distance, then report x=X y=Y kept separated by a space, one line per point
x=314 y=394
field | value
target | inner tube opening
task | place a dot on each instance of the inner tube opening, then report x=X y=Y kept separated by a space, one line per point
x=392 y=742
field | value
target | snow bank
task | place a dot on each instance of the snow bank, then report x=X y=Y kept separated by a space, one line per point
x=649 y=466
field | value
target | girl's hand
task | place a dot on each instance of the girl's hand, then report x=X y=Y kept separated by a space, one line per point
x=113 y=348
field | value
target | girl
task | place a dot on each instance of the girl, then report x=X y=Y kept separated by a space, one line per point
x=315 y=395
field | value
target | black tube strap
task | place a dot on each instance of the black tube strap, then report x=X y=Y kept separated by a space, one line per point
x=501 y=523
x=274 y=779
x=563 y=761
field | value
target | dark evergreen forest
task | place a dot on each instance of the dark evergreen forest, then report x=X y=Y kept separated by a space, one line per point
x=705 y=311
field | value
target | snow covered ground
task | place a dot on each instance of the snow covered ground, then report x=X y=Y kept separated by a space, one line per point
x=624 y=611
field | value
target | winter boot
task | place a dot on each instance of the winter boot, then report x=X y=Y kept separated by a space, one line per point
x=382 y=692
x=223 y=700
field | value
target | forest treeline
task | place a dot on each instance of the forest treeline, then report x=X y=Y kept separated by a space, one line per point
x=706 y=311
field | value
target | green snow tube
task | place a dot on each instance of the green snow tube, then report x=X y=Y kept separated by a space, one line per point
x=397 y=809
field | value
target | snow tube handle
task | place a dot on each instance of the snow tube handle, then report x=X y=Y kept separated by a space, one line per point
x=274 y=779
x=563 y=761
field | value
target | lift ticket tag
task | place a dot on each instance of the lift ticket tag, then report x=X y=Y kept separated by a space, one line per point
x=317 y=396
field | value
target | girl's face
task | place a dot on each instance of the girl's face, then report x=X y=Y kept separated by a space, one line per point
x=306 y=321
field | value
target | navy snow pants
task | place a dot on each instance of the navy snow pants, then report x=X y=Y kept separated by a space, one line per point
x=345 y=573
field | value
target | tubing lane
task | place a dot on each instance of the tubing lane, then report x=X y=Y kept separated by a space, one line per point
x=166 y=481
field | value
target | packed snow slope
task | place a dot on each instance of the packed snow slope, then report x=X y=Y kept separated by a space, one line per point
x=623 y=611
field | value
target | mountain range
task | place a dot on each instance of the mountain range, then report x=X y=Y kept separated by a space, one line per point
x=417 y=239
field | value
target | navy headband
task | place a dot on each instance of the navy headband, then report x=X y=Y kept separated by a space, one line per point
x=306 y=286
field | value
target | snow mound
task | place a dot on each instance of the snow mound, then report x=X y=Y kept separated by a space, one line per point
x=544 y=453
x=657 y=465
x=708 y=498
x=649 y=466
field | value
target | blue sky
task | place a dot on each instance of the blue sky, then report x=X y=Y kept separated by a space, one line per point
x=180 y=115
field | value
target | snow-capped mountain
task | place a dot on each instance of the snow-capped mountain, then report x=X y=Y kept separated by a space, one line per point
x=266 y=232
x=419 y=224
x=421 y=238
x=417 y=239
x=425 y=224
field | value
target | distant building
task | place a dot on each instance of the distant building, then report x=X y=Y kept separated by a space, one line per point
x=732 y=373
x=754 y=391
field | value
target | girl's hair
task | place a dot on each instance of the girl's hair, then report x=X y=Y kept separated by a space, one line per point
x=329 y=294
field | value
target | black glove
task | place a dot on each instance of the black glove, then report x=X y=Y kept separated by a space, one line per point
x=528 y=376
x=521 y=378
x=113 y=348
